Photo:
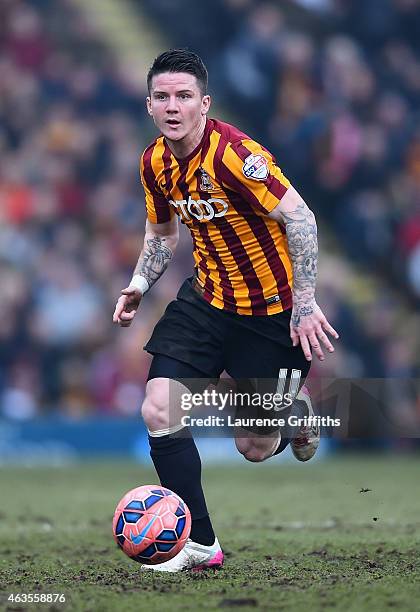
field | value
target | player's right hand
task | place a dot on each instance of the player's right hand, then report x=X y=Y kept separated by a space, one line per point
x=127 y=306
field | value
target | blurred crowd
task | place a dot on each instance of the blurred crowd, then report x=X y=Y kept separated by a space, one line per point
x=332 y=88
x=71 y=214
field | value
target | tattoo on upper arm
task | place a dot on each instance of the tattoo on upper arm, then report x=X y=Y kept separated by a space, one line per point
x=156 y=257
x=302 y=241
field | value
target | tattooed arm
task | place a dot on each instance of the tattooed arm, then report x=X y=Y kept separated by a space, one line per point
x=160 y=241
x=308 y=323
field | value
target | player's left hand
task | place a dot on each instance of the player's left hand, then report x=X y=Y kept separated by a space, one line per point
x=308 y=326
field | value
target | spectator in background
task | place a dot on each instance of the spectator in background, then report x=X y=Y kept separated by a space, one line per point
x=334 y=91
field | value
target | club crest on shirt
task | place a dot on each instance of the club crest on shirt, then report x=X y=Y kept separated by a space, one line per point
x=255 y=167
x=205 y=181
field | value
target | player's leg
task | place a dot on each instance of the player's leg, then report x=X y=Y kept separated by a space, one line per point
x=177 y=461
x=172 y=448
x=178 y=355
x=258 y=443
x=263 y=357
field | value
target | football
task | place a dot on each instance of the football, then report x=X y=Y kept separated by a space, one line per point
x=151 y=524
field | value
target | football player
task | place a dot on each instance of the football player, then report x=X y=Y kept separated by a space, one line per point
x=249 y=308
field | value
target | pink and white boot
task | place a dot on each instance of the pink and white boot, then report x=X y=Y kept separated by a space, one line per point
x=194 y=557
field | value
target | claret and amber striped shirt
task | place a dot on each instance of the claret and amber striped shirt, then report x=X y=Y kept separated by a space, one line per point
x=223 y=192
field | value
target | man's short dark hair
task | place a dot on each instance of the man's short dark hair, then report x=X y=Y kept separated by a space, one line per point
x=180 y=60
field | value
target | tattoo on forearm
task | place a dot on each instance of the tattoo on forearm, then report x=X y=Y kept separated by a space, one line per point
x=155 y=260
x=302 y=240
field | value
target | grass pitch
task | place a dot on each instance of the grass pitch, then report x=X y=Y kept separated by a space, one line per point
x=296 y=537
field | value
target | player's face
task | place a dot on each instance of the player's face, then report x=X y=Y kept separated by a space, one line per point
x=176 y=104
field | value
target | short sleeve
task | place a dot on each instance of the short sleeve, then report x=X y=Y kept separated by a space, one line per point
x=251 y=171
x=157 y=206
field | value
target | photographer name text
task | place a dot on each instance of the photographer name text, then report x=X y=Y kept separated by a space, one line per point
x=230 y=421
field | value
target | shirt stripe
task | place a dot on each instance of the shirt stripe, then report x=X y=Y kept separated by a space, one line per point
x=157 y=206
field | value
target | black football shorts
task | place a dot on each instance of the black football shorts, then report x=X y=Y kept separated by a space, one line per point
x=213 y=340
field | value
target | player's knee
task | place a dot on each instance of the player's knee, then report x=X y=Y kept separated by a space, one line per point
x=253 y=452
x=154 y=415
x=256 y=449
x=155 y=410
x=256 y=455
